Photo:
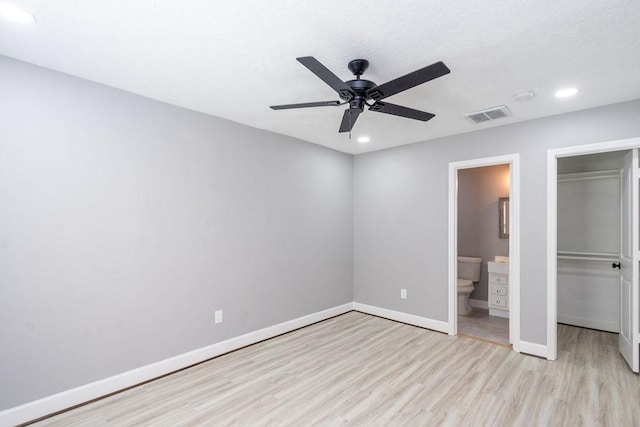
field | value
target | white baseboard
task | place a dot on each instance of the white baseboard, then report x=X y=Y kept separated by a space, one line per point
x=585 y=322
x=75 y=396
x=478 y=303
x=534 y=349
x=412 y=319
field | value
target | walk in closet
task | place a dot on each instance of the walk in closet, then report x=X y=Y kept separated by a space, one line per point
x=589 y=233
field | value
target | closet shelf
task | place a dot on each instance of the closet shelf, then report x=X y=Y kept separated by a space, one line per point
x=589 y=256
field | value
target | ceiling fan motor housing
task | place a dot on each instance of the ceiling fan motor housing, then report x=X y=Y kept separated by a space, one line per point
x=360 y=88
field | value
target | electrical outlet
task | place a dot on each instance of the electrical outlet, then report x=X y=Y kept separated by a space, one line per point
x=218 y=316
x=403 y=293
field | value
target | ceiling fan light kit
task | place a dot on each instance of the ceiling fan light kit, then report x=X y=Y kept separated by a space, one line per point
x=359 y=93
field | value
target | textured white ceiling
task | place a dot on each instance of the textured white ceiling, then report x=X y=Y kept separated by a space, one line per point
x=234 y=59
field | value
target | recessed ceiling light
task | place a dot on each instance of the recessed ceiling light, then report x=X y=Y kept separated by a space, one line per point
x=15 y=14
x=565 y=93
x=364 y=139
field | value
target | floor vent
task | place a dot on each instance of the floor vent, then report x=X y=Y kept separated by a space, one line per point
x=489 y=114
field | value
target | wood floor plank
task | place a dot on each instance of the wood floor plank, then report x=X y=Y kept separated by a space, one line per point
x=358 y=369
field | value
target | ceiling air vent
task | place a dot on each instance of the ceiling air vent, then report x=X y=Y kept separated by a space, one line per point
x=489 y=114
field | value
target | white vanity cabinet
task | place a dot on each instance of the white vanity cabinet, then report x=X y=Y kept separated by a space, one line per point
x=498 y=300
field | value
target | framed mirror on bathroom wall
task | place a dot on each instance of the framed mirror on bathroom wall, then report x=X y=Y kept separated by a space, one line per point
x=503 y=217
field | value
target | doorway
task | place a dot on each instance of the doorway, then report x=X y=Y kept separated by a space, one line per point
x=589 y=212
x=483 y=253
x=595 y=264
x=510 y=225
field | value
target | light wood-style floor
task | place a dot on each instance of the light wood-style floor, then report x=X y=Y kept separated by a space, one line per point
x=365 y=370
x=479 y=324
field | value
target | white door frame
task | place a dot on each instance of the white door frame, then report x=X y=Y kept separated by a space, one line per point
x=552 y=225
x=513 y=160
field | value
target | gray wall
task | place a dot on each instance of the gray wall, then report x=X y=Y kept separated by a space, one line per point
x=478 y=218
x=400 y=209
x=125 y=222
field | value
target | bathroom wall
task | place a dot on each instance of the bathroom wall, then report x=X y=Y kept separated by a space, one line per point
x=478 y=192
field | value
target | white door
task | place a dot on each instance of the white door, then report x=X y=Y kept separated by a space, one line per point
x=628 y=338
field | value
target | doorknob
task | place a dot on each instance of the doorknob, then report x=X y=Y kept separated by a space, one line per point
x=616 y=265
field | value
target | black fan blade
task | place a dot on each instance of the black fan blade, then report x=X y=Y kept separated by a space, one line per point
x=306 y=104
x=403 y=83
x=349 y=119
x=399 y=110
x=327 y=76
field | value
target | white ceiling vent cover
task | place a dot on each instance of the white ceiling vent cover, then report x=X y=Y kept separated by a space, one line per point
x=489 y=114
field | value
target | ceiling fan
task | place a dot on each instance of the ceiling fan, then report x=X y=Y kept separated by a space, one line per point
x=358 y=92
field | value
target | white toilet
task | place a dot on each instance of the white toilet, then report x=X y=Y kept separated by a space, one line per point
x=468 y=274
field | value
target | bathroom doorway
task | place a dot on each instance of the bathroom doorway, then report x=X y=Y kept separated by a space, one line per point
x=593 y=248
x=484 y=231
x=483 y=253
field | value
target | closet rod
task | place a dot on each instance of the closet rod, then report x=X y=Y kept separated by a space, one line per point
x=586 y=254
x=588 y=258
x=585 y=176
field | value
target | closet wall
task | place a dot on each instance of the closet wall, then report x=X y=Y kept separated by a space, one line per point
x=589 y=240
